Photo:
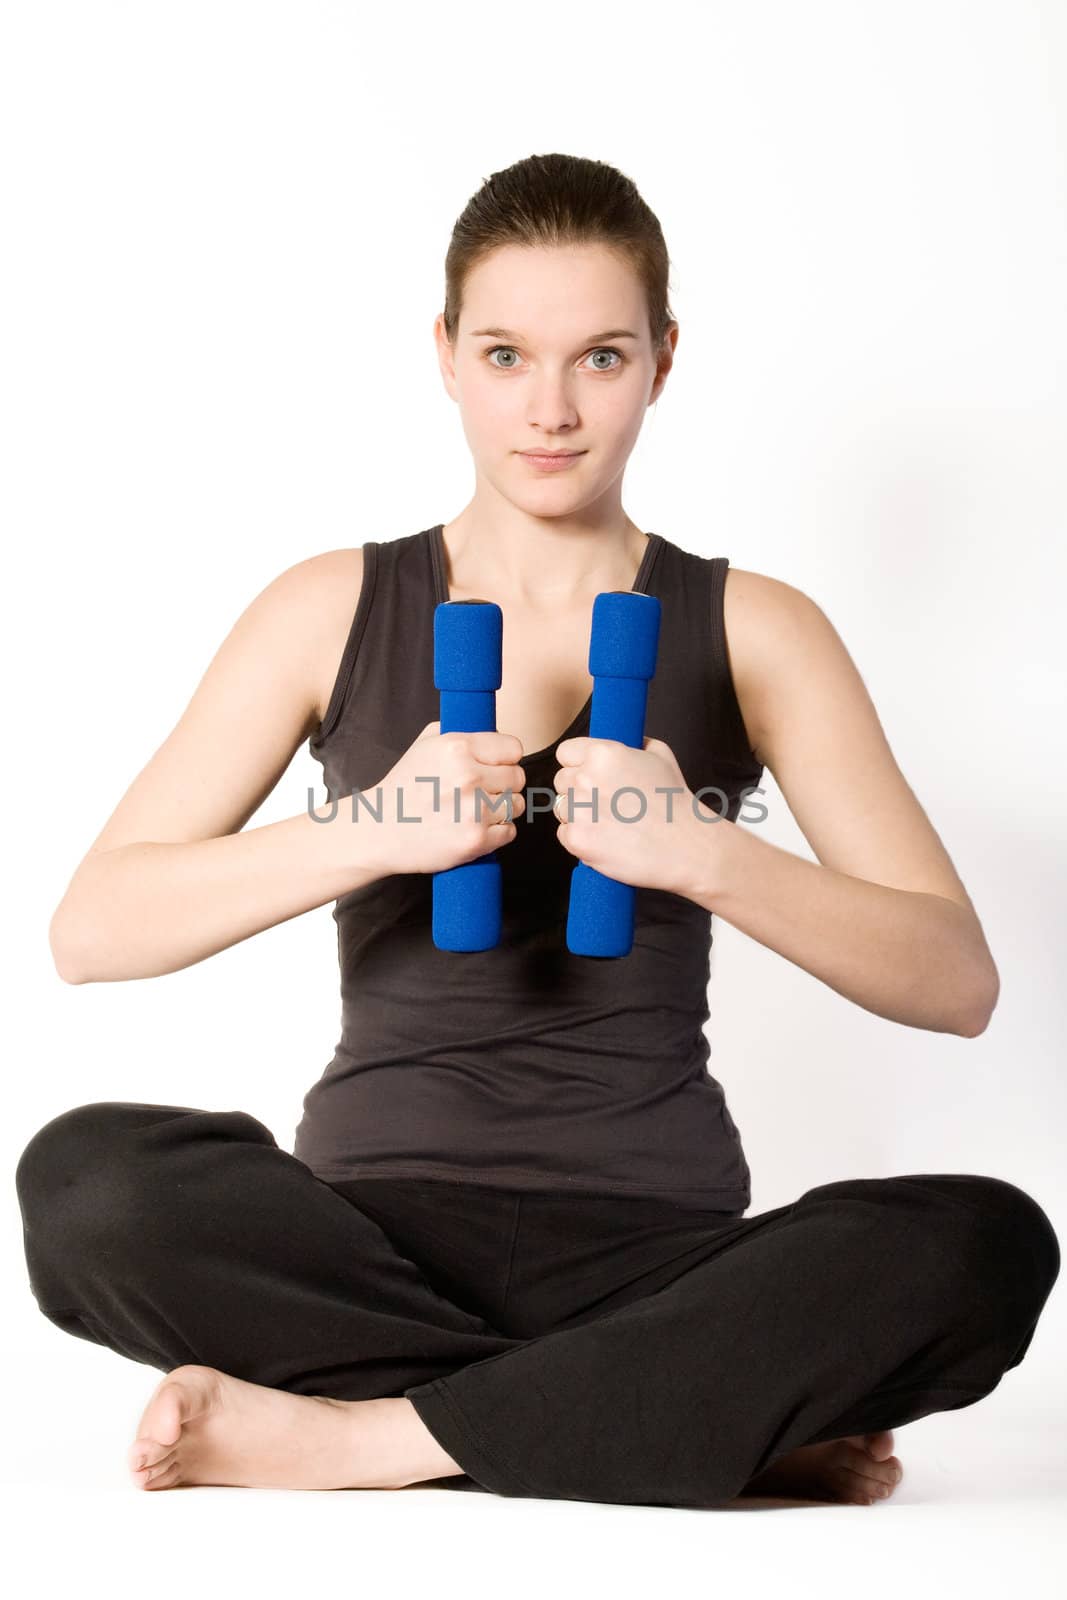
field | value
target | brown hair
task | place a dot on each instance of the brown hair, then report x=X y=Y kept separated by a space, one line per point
x=552 y=200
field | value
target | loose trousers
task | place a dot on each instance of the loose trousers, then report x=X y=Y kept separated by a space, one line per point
x=576 y=1346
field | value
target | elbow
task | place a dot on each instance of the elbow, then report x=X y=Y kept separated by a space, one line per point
x=981 y=1007
x=65 y=949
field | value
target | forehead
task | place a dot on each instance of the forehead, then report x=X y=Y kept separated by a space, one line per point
x=569 y=288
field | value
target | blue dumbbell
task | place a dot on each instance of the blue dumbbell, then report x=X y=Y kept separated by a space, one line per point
x=622 y=659
x=467 y=638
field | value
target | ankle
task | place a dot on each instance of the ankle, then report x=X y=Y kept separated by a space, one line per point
x=418 y=1453
x=408 y=1451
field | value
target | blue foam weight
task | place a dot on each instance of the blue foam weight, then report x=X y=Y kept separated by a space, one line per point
x=623 y=647
x=467 y=638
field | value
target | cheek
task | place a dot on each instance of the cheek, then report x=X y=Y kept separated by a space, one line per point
x=485 y=421
x=619 y=419
x=634 y=421
x=491 y=414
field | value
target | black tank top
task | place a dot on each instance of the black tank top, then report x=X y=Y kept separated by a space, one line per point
x=526 y=1066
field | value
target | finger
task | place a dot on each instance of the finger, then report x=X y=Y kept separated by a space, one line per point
x=497 y=781
x=571 y=752
x=494 y=748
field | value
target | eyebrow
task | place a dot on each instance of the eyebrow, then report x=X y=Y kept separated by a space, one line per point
x=509 y=333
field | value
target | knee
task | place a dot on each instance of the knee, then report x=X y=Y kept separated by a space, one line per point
x=979 y=1238
x=1000 y=1239
x=71 y=1185
x=107 y=1160
x=94 y=1165
x=65 y=1149
x=1020 y=1226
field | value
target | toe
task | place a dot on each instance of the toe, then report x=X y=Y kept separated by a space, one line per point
x=161 y=1421
x=149 y=1474
x=879 y=1444
x=145 y=1452
x=861 y=1489
x=887 y=1471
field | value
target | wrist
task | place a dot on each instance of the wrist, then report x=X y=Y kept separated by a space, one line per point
x=708 y=841
x=358 y=843
x=373 y=841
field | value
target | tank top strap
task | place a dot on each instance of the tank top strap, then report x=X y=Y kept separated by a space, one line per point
x=342 y=683
x=692 y=703
x=735 y=749
x=383 y=694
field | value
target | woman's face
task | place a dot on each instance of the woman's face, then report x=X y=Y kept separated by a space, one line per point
x=574 y=370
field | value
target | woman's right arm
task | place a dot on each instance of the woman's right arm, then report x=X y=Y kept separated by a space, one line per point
x=172 y=879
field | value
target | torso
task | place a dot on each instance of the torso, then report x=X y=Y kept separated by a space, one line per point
x=545 y=680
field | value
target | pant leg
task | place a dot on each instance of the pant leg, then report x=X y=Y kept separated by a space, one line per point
x=173 y=1235
x=866 y=1304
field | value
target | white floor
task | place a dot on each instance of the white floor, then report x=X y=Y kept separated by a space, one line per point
x=982 y=1511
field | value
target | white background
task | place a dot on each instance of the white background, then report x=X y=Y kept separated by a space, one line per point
x=225 y=236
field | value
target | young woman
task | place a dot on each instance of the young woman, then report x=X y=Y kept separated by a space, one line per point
x=509 y=1251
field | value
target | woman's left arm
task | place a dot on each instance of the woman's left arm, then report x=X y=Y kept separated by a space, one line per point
x=882 y=918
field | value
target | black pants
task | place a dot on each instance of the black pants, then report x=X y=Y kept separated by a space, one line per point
x=558 y=1345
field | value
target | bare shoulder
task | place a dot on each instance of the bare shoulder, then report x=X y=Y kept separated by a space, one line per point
x=817 y=730
x=762 y=617
x=252 y=709
x=326 y=589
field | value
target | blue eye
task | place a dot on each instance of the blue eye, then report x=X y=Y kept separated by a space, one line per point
x=601 y=349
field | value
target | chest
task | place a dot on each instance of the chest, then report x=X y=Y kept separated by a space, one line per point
x=544 y=673
x=545 y=680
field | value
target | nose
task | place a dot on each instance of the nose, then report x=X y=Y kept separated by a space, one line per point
x=552 y=413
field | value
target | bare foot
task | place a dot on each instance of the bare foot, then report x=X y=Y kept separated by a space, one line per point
x=202 y=1426
x=857 y=1470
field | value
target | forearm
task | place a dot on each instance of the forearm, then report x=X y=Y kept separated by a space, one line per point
x=145 y=909
x=914 y=958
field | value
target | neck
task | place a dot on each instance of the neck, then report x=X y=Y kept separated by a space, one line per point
x=540 y=564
